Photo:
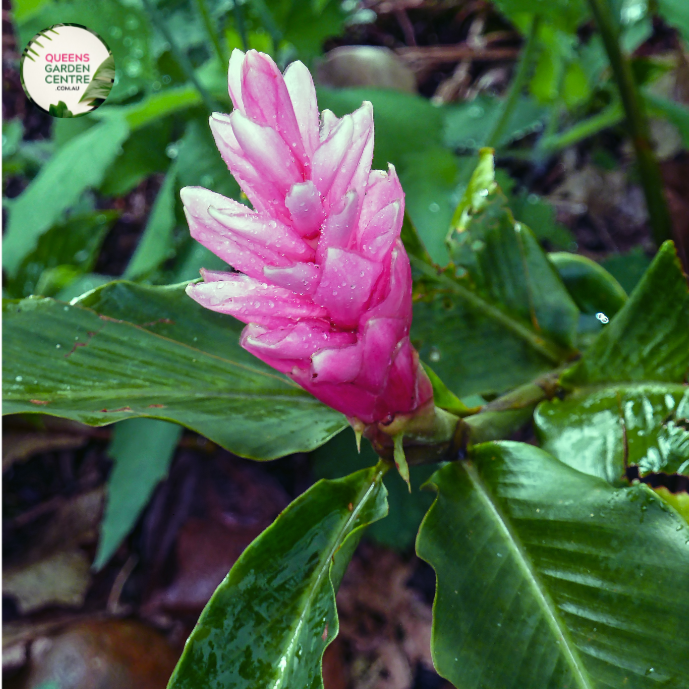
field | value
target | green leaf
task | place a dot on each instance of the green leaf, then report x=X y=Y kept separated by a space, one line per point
x=443 y=397
x=126 y=351
x=627 y=269
x=603 y=431
x=74 y=242
x=549 y=578
x=504 y=317
x=58 y=186
x=675 y=13
x=536 y=213
x=467 y=125
x=101 y=81
x=677 y=113
x=340 y=457
x=593 y=289
x=648 y=340
x=624 y=406
x=305 y=25
x=563 y=14
x=504 y=262
x=60 y=110
x=142 y=450
x=269 y=622
x=143 y=154
x=152 y=108
x=155 y=245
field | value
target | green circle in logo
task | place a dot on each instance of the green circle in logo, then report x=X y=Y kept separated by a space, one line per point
x=67 y=70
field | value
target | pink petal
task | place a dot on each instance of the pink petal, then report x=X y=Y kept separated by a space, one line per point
x=241 y=253
x=344 y=397
x=408 y=386
x=216 y=275
x=328 y=122
x=382 y=190
x=339 y=227
x=353 y=169
x=329 y=155
x=234 y=79
x=306 y=209
x=251 y=301
x=299 y=341
x=263 y=193
x=381 y=232
x=267 y=102
x=267 y=153
x=303 y=95
x=340 y=365
x=263 y=230
x=378 y=345
x=345 y=287
x=392 y=297
x=300 y=278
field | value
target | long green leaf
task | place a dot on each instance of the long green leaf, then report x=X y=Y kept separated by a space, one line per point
x=649 y=337
x=499 y=315
x=269 y=622
x=78 y=165
x=125 y=351
x=155 y=245
x=625 y=396
x=549 y=578
x=142 y=450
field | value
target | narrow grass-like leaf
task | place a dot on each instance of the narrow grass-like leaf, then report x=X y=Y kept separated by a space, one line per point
x=78 y=165
x=142 y=450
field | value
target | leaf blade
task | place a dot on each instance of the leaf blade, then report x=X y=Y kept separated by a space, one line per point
x=278 y=601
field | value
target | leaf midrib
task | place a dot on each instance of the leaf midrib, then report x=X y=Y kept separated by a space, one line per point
x=326 y=562
x=540 y=344
x=524 y=563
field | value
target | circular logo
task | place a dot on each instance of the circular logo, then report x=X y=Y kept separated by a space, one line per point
x=67 y=70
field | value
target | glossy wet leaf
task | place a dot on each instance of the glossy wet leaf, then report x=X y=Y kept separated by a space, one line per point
x=602 y=431
x=339 y=457
x=648 y=340
x=550 y=578
x=593 y=289
x=58 y=186
x=500 y=315
x=142 y=450
x=126 y=351
x=625 y=404
x=269 y=622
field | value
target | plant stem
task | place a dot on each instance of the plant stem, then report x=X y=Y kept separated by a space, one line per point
x=517 y=86
x=212 y=34
x=637 y=121
x=609 y=117
x=180 y=56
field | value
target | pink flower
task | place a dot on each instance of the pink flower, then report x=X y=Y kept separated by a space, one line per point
x=325 y=282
